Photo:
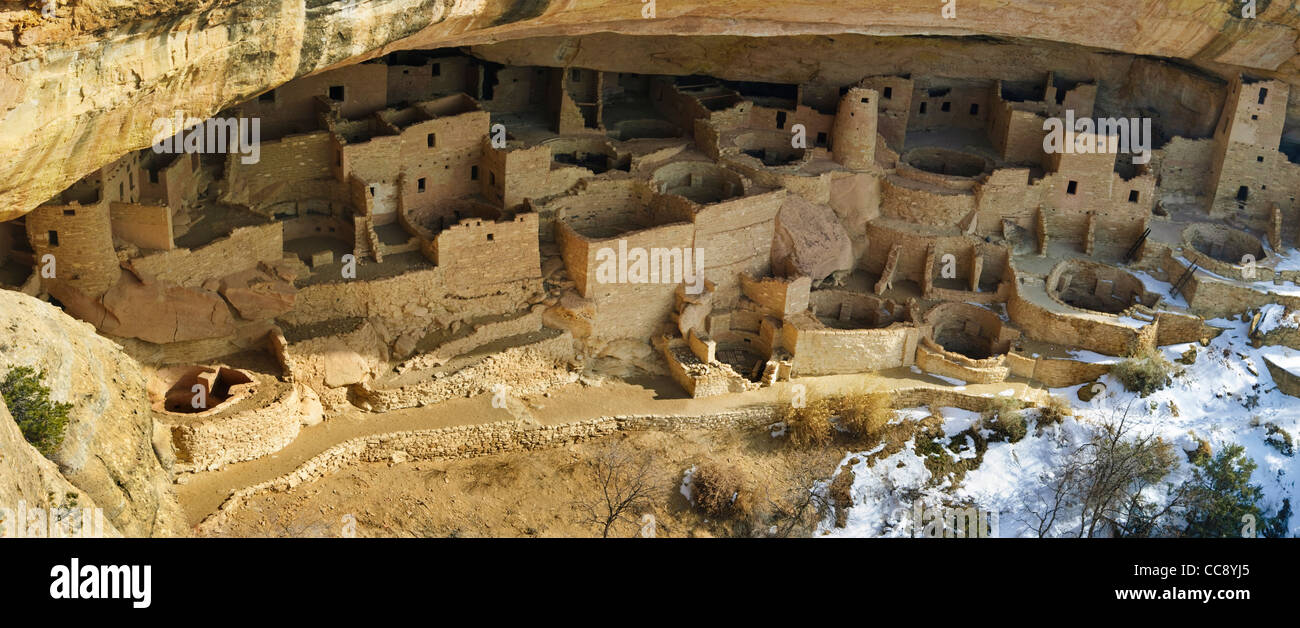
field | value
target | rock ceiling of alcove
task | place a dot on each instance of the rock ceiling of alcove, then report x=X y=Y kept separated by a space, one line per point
x=78 y=91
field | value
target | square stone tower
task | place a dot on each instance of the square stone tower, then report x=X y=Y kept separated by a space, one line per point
x=1247 y=157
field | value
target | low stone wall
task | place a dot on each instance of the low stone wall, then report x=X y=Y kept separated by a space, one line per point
x=468 y=441
x=1287 y=382
x=476 y=336
x=1212 y=296
x=820 y=350
x=211 y=442
x=699 y=378
x=931 y=358
x=524 y=370
x=1093 y=331
x=1055 y=372
x=242 y=250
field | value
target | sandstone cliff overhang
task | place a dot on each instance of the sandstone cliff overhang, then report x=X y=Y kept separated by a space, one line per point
x=93 y=77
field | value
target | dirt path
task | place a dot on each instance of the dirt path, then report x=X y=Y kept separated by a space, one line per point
x=202 y=493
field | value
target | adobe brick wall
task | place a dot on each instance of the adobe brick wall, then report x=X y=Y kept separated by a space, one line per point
x=919 y=203
x=475 y=254
x=1246 y=148
x=883 y=236
x=146 y=226
x=84 y=256
x=308 y=157
x=853 y=140
x=735 y=236
x=931 y=358
x=242 y=250
x=1017 y=135
x=816 y=124
x=1094 y=332
x=624 y=310
x=511 y=175
x=776 y=296
x=819 y=350
x=524 y=370
x=967 y=107
x=1055 y=372
x=895 y=106
x=389 y=300
x=1183 y=164
x=447 y=168
x=1287 y=382
x=365 y=87
x=413 y=83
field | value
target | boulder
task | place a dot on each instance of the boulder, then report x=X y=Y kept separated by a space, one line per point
x=343 y=367
x=809 y=240
x=258 y=295
x=160 y=312
x=108 y=451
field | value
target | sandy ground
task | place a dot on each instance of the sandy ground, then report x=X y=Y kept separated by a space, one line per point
x=532 y=494
x=351 y=489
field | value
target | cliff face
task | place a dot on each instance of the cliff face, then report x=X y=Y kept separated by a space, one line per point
x=108 y=452
x=27 y=478
x=81 y=88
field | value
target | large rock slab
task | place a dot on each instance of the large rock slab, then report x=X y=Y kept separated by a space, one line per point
x=258 y=295
x=809 y=241
x=108 y=449
x=160 y=312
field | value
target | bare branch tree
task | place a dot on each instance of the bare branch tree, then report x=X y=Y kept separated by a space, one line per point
x=1105 y=479
x=802 y=504
x=623 y=485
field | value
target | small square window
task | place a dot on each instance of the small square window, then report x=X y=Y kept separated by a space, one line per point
x=69 y=212
x=1260 y=159
x=974 y=109
x=489 y=237
x=54 y=238
x=1254 y=117
x=1133 y=196
x=866 y=101
x=336 y=92
x=1072 y=188
x=432 y=139
x=821 y=139
x=945 y=107
x=889 y=93
x=419 y=184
